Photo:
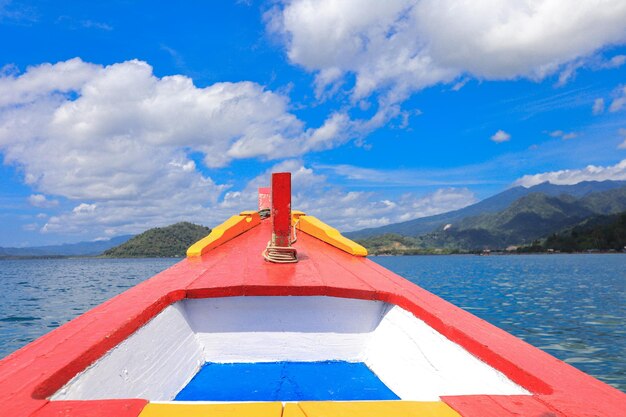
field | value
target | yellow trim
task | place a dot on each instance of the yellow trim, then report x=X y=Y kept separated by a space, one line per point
x=317 y=228
x=293 y=410
x=303 y=409
x=295 y=214
x=231 y=228
x=376 y=409
x=273 y=409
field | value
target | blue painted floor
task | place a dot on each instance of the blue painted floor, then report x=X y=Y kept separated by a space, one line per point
x=285 y=381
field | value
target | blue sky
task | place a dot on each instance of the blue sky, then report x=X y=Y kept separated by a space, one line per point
x=119 y=116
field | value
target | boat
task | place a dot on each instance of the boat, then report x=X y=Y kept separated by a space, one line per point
x=274 y=314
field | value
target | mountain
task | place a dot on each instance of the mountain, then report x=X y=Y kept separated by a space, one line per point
x=529 y=218
x=68 y=249
x=170 y=241
x=607 y=202
x=595 y=233
x=526 y=220
x=492 y=204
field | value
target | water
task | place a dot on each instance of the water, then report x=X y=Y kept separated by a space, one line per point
x=572 y=306
x=41 y=294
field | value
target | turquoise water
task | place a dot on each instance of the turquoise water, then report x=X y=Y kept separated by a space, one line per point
x=572 y=306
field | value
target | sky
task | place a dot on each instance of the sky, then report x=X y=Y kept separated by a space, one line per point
x=119 y=116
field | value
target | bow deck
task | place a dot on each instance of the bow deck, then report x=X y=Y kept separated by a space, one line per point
x=30 y=376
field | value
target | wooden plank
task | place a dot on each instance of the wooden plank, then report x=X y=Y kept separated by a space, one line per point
x=320 y=230
x=293 y=410
x=377 y=409
x=100 y=408
x=501 y=406
x=226 y=231
x=527 y=406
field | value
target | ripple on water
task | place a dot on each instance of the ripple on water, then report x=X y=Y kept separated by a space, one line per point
x=573 y=306
x=45 y=293
x=12 y=319
x=582 y=360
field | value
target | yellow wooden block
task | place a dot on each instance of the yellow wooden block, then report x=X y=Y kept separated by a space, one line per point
x=377 y=409
x=317 y=228
x=221 y=234
x=273 y=409
x=293 y=410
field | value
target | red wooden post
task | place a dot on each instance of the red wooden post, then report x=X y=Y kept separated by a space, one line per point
x=281 y=209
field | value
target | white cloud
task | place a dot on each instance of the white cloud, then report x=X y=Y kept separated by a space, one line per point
x=462 y=176
x=440 y=201
x=622 y=133
x=41 y=201
x=84 y=208
x=30 y=227
x=598 y=106
x=619 y=102
x=570 y=135
x=574 y=176
x=563 y=135
x=403 y=46
x=500 y=136
x=51 y=81
x=460 y=84
x=616 y=61
x=87 y=116
x=568 y=73
x=10 y=11
x=120 y=137
x=92 y=24
x=352 y=210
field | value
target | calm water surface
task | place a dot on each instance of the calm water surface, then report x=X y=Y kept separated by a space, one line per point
x=572 y=306
x=38 y=295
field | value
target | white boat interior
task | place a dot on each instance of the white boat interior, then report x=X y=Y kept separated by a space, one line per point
x=408 y=356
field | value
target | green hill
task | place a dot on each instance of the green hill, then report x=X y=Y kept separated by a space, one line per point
x=170 y=241
x=606 y=202
x=528 y=218
x=394 y=244
x=597 y=233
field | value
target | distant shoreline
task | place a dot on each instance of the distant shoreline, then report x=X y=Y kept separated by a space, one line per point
x=24 y=258
x=494 y=253
x=18 y=258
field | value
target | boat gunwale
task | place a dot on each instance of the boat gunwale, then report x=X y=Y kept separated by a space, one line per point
x=41 y=370
x=56 y=381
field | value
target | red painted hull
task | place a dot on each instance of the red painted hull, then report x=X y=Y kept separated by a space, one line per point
x=30 y=375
